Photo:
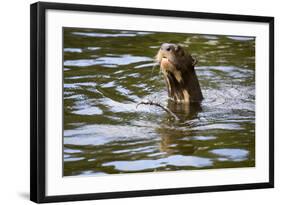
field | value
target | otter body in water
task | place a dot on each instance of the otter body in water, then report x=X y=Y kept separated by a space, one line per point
x=177 y=66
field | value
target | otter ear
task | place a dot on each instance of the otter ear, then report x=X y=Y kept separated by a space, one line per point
x=179 y=50
x=194 y=61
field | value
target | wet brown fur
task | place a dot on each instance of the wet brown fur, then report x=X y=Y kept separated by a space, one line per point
x=177 y=66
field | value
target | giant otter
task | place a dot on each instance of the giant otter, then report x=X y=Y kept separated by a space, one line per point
x=177 y=66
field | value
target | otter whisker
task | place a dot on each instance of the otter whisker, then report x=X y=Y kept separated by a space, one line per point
x=153 y=67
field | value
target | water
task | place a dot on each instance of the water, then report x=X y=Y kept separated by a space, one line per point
x=106 y=73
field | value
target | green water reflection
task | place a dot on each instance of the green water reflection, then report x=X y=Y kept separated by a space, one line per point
x=106 y=73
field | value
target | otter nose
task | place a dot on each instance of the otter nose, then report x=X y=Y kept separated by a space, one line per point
x=166 y=46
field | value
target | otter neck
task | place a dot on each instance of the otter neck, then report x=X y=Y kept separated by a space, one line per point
x=183 y=85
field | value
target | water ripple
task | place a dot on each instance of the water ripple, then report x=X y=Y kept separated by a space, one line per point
x=232 y=154
x=108 y=61
x=176 y=160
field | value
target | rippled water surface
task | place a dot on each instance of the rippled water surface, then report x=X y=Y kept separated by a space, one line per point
x=106 y=73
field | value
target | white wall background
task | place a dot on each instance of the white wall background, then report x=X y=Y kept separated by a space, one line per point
x=14 y=100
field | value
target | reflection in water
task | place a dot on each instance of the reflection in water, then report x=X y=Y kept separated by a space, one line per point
x=172 y=137
x=107 y=73
x=184 y=111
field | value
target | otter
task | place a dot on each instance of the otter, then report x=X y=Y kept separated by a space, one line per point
x=177 y=66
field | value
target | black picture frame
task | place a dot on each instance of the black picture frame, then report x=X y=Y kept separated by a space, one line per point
x=38 y=101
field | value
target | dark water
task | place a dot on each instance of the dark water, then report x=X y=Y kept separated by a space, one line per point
x=106 y=73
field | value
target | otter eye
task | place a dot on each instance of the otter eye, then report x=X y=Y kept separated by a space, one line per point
x=169 y=48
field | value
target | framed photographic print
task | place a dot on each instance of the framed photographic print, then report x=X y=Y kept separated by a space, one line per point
x=129 y=102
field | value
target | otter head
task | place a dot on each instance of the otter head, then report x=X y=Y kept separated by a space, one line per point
x=177 y=66
x=171 y=56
